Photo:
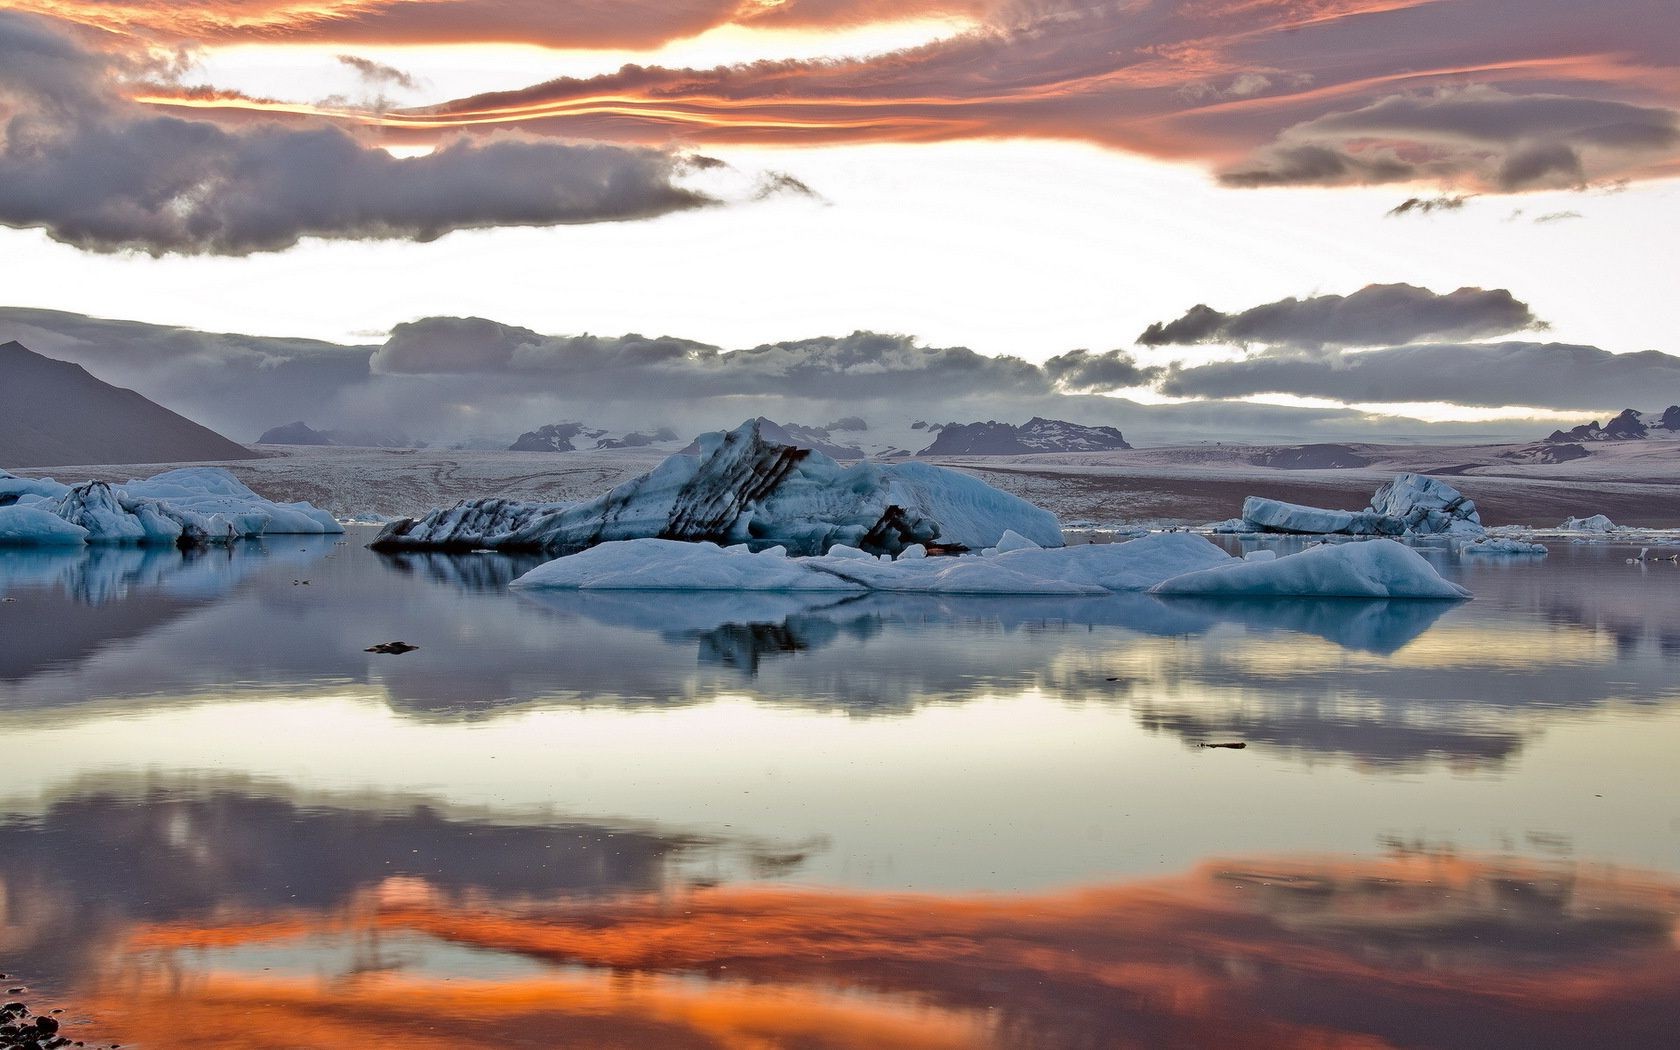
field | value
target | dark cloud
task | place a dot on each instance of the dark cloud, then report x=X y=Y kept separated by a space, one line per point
x=378 y=72
x=1081 y=371
x=1542 y=375
x=95 y=170
x=1557 y=216
x=1375 y=315
x=444 y=380
x=1429 y=205
x=1476 y=134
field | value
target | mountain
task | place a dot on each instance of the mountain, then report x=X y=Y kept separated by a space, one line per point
x=576 y=437
x=799 y=436
x=1037 y=434
x=1628 y=426
x=300 y=433
x=54 y=413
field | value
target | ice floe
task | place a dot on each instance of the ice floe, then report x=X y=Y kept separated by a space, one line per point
x=1168 y=563
x=189 y=506
x=1373 y=569
x=743 y=487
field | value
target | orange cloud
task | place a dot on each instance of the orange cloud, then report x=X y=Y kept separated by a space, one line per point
x=1244 y=85
x=573 y=24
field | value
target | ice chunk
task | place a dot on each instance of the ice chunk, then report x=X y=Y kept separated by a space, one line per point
x=1409 y=505
x=654 y=564
x=1372 y=569
x=741 y=486
x=32 y=527
x=1270 y=515
x=1014 y=541
x=1261 y=555
x=678 y=565
x=1596 y=523
x=1501 y=545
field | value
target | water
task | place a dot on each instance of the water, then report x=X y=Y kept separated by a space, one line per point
x=773 y=820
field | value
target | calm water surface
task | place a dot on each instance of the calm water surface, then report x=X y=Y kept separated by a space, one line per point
x=674 y=820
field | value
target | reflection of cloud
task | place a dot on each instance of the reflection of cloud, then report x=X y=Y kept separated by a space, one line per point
x=118 y=850
x=1255 y=952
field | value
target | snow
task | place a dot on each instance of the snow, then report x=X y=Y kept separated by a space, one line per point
x=1596 y=523
x=742 y=487
x=190 y=505
x=1502 y=545
x=1372 y=569
x=1408 y=505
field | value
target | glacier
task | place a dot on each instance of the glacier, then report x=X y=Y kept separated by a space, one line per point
x=1162 y=563
x=1378 y=568
x=743 y=486
x=1409 y=505
x=185 y=507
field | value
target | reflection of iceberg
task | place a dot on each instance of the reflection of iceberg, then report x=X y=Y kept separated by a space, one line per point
x=1375 y=626
x=97 y=575
x=172 y=849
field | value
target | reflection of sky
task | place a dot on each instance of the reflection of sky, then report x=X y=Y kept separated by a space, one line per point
x=556 y=819
x=1411 y=948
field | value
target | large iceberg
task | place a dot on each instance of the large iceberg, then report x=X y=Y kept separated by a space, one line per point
x=1167 y=563
x=1372 y=569
x=743 y=487
x=186 y=507
x=1409 y=505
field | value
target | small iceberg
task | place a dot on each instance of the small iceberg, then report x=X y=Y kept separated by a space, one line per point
x=186 y=507
x=1409 y=505
x=1595 y=523
x=1373 y=569
x=1503 y=545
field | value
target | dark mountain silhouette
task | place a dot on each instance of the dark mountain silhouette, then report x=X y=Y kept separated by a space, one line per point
x=54 y=413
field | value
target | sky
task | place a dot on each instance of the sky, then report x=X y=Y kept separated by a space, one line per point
x=457 y=219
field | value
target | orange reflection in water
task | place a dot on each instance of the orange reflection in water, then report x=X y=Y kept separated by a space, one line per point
x=1407 y=951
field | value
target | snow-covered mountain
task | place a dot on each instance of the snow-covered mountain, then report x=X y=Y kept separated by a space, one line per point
x=54 y=413
x=1037 y=434
x=300 y=433
x=579 y=437
x=1628 y=426
x=819 y=439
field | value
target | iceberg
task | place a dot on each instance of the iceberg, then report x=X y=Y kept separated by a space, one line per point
x=680 y=565
x=1377 y=568
x=186 y=507
x=741 y=486
x=1409 y=505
